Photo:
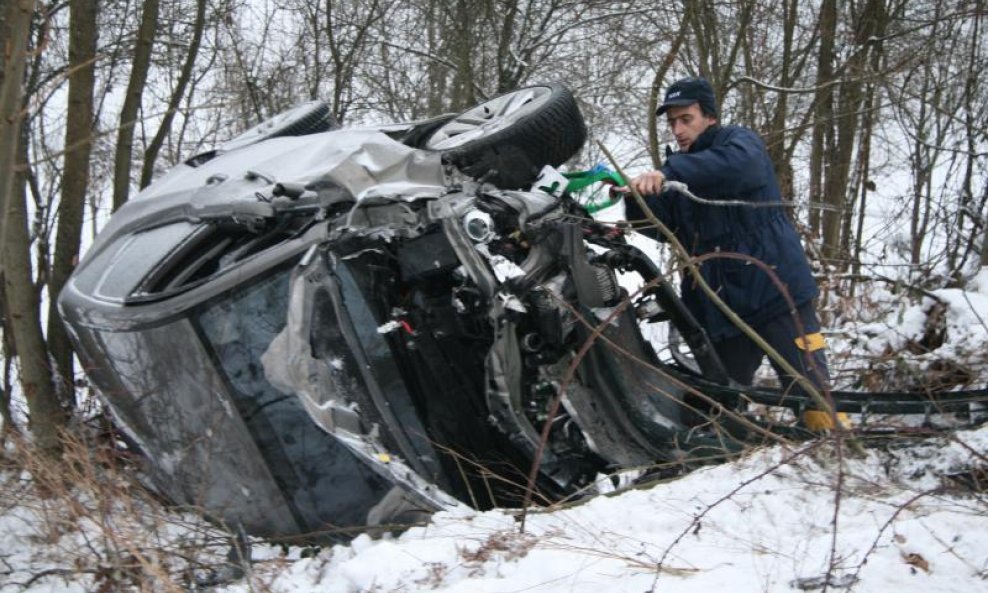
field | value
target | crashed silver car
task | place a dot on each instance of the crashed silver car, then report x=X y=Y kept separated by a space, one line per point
x=316 y=331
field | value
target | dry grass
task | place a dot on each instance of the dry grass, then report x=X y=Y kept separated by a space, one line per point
x=86 y=518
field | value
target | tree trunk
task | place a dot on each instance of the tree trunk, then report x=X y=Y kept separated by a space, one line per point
x=968 y=209
x=848 y=119
x=132 y=102
x=8 y=346
x=14 y=31
x=923 y=156
x=775 y=140
x=462 y=91
x=702 y=18
x=46 y=416
x=656 y=91
x=983 y=260
x=75 y=180
x=864 y=167
x=824 y=109
x=9 y=354
x=508 y=71
x=715 y=62
x=438 y=73
x=151 y=154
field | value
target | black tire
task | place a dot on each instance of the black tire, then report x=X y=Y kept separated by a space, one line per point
x=307 y=118
x=509 y=138
x=421 y=131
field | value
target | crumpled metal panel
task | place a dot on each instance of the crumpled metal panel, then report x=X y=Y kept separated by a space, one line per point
x=366 y=163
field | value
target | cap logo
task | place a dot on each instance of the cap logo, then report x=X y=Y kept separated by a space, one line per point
x=673 y=95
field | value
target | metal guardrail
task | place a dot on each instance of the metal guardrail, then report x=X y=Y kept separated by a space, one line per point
x=856 y=402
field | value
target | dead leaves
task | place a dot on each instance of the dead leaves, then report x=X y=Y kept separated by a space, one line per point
x=916 y=561
x=510 y=545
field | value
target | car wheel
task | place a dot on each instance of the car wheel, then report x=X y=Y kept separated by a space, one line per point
x=420 y=132
x=509 y=138
x=307 y=118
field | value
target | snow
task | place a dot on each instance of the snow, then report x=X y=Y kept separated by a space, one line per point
x=908 y=338
x=759 y=524
x=769 y=521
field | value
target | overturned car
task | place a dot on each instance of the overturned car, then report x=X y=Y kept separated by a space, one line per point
x=314 y=331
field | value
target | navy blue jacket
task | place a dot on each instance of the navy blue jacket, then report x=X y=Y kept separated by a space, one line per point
x=731 y=163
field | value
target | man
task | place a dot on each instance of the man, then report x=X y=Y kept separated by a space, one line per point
x=730 y=163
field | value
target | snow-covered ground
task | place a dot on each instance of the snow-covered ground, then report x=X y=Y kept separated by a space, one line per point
x=909 y=518
x=911 y=339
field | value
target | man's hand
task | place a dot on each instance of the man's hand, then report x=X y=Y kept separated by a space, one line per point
x=647 y=184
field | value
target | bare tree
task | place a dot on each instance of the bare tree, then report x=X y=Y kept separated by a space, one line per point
x=178 y=93
x=46 y=415
x=775 y=139
x=822 y=136
x=971 y=211
x=123 y=160
x=75 y=179
x=715 y=61
x=655 y=93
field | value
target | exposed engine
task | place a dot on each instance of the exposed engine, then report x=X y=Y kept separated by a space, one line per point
x=495 y=313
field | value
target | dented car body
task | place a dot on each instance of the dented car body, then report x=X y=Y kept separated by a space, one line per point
x=326 y=332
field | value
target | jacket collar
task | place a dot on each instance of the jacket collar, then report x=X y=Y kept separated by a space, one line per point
x=706 y=139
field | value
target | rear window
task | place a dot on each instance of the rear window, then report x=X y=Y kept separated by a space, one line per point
x=119 y=268
x=157 y=263
x=213 y=248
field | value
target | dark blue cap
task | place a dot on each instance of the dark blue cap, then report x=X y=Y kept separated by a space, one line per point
x=688 y=91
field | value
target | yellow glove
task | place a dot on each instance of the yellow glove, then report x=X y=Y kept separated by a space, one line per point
x=819 y=421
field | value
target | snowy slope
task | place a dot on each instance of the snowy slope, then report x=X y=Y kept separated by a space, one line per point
x=771 y=521
x=764 y=523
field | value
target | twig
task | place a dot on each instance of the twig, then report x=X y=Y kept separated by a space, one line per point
x=974 y=452
x=553 y=410
x=885 y=526
x=62 y=572
x=835 y=521
x=697 y=518
x=974 y=310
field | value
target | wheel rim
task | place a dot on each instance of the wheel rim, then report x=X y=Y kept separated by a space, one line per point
x=488 y=118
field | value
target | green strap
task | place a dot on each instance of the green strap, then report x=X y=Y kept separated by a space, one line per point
x=579 y=180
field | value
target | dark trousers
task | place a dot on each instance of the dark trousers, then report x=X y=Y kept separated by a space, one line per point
x=742 y=357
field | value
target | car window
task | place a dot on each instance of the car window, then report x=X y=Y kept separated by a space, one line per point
x=320 y=477
x=117 y=270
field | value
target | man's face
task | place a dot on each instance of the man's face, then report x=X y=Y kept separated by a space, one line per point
x=687 y=123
